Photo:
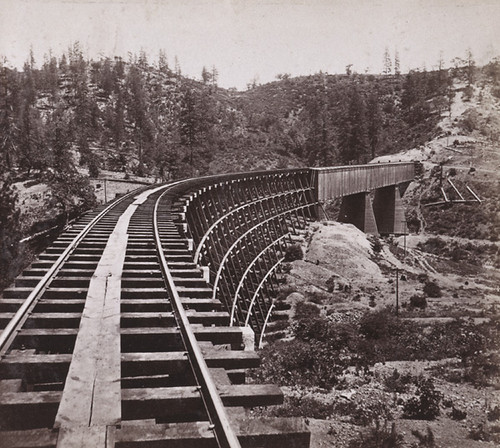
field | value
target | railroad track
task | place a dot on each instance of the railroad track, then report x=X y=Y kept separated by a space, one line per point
x=112 y=338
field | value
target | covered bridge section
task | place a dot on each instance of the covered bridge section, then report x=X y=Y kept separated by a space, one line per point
x=371 y=194
x=240 y=225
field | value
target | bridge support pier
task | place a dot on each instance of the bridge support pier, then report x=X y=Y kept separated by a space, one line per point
x=389 y=210
x=357 y=209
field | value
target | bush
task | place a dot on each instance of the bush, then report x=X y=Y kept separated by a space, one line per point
x=397 y=382
x=293 y=252
x=423 y=278
x=424 y=440
x=494 y=414
x=378 y=437
x=457 y=414
x=485 y=433
x=378 y=324
x=376 y=245
x=93 y=168
x=418 y=301
x=484 y=369
x=304 y=310
x=331 y=282
x=432 y=289
x=317 y=297
x=425 y=406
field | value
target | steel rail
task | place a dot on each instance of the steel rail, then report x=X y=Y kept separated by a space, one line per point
x=224 y=434
x=265 y=324
x=256 y=293
x=41 y=286
x=242 y=280
x=226 y=256
x=234 y=210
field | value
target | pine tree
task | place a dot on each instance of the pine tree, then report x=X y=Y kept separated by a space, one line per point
x=32 y=149
x=387 y=62
x=352 y=129
x=9 y=88
x=205 y=75
x=470 y=66
x=143 y=60
x=374 y=120
x=137 y=106
x=397 y=68
x=177 y=67
x=106 y=79
x=214 y=75
x=162 y=61
x=9 y=226
x=188 y=122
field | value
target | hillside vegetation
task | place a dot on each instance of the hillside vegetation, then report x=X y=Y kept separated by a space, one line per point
x=68 y=119
x=140 y=117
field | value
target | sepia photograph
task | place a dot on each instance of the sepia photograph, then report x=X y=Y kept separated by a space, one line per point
x=249 y=224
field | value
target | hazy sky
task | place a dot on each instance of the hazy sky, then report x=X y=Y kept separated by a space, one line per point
x=260 y=38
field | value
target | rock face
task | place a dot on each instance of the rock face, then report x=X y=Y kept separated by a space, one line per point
x=342 y=249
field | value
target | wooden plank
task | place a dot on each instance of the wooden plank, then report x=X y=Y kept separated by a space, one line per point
x=182 y=435
x=262 y=432
x=175 y=362
x=35 y=368
x=217 y=335
x=220 y=377
x=250 y=395
x=33 y=438
x=28 y=410
x=12 y=385
x=144 y=403
x=82 y=437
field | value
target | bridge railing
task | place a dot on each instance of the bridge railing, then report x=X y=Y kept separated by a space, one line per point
x=335 y=182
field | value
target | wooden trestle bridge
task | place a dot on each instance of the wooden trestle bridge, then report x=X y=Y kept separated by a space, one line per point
x=135 y=326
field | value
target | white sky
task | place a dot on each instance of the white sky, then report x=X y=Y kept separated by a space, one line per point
x=260 y=38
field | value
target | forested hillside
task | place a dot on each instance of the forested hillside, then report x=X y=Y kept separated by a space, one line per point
x=66 y=119
x=145 y=117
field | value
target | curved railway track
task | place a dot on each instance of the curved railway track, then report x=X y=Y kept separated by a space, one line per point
x=112 y=338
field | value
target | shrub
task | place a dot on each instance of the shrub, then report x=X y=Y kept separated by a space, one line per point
x=397 y=382
x=366 y=414
x=293 y=252
x=432 y=289
x=331 y=282
x=317 y=297
x=378 y=436
x=494 y=414
x=93 y=168
x=424 y=440
x=306 y=310
x=378 y=324
x=376 y=245
x=457 y=414
x=483 y=368
x=485 y=433
x=423 y=278
x=418 y=301
x=425 y=406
